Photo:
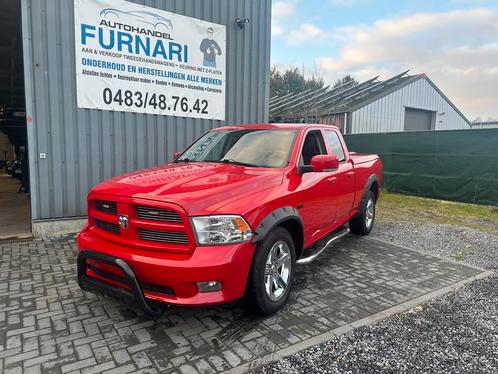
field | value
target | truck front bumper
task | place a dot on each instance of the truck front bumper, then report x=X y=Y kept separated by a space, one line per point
x=145 y=277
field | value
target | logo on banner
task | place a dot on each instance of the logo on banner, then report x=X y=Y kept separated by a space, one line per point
x=141 y=16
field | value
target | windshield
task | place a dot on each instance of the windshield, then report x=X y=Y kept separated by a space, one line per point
x=251 y=147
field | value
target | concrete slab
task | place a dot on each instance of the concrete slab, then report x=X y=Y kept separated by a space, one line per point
x=357 y=282
x=48 y=228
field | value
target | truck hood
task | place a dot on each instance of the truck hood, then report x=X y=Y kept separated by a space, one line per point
x=200 y=187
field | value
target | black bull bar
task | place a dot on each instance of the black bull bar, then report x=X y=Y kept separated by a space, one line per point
x=133 y=298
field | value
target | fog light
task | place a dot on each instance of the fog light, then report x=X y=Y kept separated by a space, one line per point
x=209 y=286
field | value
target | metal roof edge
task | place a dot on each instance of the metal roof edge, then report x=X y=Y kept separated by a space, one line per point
x=402 y=84
x=406 y=83
x=423 y=75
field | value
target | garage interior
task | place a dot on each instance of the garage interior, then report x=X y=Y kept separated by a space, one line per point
x=15 y=217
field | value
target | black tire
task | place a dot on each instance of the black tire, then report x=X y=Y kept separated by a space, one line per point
x=360 y=225
x=256 y=297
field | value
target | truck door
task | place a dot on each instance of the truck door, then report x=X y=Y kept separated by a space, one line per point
x=318 y=210
x=344 y=186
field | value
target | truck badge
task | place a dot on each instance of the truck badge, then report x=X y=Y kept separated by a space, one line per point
x=123 y=222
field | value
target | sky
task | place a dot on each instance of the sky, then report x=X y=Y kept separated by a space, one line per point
x=455 y=42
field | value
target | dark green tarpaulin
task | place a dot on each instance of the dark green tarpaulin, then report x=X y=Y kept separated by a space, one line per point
x=459 y=165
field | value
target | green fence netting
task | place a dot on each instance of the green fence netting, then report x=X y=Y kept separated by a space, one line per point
x=459 y=165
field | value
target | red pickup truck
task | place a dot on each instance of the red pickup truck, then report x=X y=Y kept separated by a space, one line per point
x=232 y=216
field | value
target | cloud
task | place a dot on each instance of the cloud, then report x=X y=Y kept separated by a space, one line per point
x=282 y=11
x=457 y=49
x=285 y=17
x=306 y=33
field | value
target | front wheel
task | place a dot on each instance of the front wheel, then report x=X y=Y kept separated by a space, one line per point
x=363 y=223
x=272 y=272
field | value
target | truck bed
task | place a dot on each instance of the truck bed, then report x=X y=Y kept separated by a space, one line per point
x=361 y=158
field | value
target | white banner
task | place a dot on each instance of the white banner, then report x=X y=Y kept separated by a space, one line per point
x=138 y=59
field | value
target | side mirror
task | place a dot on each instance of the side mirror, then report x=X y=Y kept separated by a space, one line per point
x=176 y=155
x=324 y=163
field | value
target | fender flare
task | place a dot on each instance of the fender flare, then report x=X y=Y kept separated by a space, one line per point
x=371 y=180
x=275 y=218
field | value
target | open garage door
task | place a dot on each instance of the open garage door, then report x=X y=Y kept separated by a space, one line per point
x=15 y=217
x=418 y=119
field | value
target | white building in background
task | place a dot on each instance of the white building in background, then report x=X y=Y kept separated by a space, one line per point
x=401 y=103
x=485 y=125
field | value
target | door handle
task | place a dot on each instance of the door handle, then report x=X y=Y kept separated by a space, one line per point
x=331 y=180
x=350 y=174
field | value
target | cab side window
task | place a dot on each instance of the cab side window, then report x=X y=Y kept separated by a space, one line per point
x=335 y=145
x=313 y=146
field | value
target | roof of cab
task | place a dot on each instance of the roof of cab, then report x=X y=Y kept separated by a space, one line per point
x=288 y=126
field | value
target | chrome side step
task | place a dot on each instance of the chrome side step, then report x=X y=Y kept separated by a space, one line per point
x=318 y=252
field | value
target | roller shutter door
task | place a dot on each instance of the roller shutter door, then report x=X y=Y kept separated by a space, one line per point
x=417 y=119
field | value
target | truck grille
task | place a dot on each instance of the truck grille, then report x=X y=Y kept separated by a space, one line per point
x=174 y=237
x=165 y=227
x=113 y=228
x=157 y=214
x=106 y=206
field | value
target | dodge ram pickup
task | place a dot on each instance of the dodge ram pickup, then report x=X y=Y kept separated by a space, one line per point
x=231 y=217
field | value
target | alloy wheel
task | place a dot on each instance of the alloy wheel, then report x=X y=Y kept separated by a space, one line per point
x=277 y=270
x=369 y=213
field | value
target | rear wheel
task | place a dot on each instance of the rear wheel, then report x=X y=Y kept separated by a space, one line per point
x=363 y=223
x=272 y=272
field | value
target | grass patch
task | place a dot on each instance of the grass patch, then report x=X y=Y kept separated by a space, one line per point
x=395 y=207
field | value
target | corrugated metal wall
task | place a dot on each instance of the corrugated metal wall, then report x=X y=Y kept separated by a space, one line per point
x=388 y=113
x=84 y=147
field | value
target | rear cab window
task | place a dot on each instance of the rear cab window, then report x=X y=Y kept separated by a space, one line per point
x=335 y=144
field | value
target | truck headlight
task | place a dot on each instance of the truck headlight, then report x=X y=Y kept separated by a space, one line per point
x=221 y=229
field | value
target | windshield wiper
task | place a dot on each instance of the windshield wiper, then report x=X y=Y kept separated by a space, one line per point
x=234 y=162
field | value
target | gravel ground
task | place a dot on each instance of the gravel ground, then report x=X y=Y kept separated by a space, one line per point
x=462 y=244
x=455 y=333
